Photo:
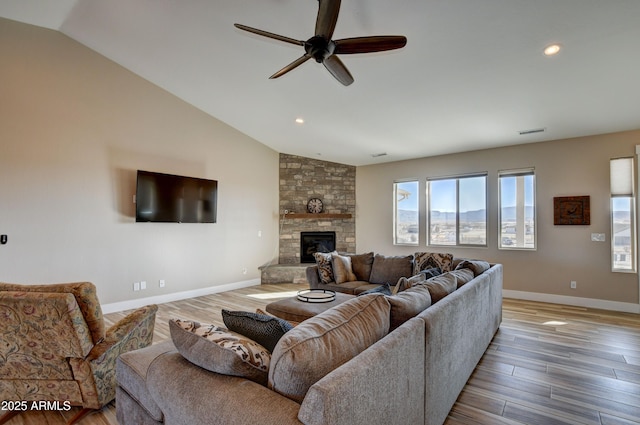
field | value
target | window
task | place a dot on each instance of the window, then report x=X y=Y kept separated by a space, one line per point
x=458 y=211
x=623 y=241
x=517 y=212
x=405 y=213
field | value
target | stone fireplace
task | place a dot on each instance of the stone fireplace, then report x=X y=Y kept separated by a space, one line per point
x=335 y=184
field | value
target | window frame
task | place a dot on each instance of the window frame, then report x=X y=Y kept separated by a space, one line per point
x=396 y=183
x=457 y=179
x=529 y=171
x=620 y=191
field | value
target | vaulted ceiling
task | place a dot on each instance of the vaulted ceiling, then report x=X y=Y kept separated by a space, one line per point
x=472 y=75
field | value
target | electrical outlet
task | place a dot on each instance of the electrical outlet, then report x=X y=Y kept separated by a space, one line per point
x=143 y=285
x=161 y=283
x=574 y=284
x=136 y=286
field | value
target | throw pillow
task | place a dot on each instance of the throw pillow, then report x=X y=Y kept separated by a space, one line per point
x=463 y=276
x=476 y=266
x=325 y=269
x=361 y=265
x=324 y=342
x=219 y=350
x=388 y=269
x=342 y=271
x=382 y=289
x=427 y=260
x=263 y=329
x=408 y=304
x=441 y=286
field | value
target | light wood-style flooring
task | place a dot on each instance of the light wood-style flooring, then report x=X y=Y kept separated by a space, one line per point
x=548 y=364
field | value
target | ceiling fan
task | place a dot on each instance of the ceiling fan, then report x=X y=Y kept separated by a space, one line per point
x=325 y=50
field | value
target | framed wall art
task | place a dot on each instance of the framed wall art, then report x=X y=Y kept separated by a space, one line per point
x=571 y=210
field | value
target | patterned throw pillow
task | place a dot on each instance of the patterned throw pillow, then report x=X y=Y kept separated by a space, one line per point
x=428 y=260
x=263 y=329
x=325 y=269
x=220 y=350
x=342 y=271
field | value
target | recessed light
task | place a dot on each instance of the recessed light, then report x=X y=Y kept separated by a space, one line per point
x=299 y=120
x=552 y=49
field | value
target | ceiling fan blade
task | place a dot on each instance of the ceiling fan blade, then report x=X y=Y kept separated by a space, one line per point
x=327 y=18
x=296 y=63
x=335 y=66
x=270 y=35
x=377 y=43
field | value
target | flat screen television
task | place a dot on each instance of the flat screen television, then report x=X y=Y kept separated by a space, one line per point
x=165 y=198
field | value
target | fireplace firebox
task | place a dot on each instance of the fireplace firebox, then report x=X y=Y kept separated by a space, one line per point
x=312 y=242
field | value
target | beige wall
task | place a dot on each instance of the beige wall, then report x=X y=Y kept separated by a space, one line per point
x=563 y=168
x=74 y=127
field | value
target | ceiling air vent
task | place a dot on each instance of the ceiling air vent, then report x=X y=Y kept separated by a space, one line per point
x=376 y=155
x=532 y=131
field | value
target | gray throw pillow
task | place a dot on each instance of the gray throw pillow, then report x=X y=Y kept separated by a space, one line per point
x=263 y=329
x=389 y=269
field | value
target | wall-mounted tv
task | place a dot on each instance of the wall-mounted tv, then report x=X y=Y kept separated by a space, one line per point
x=166 y=198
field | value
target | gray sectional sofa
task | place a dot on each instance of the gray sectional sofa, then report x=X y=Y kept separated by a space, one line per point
x=364 y=373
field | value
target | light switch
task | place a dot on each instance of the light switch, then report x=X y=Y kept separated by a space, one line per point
x=598 y=237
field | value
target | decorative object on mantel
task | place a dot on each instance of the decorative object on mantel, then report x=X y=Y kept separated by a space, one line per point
x=315 y=206
x=571 y=210
x=316 y=295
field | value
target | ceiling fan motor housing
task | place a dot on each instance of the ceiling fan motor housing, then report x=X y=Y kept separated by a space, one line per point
x=319 y=48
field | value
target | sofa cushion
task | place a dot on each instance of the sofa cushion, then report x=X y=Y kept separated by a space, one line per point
x=405 y=283
x=263 y=329
x=220 y=350
x=361 y=265
x=476 y=266
x=427 y=260
x=388 y=269
x=463 y=276
x=322 y=343
x=342 y=271
x=325 y=269
x=408 y=303
x=441 y=286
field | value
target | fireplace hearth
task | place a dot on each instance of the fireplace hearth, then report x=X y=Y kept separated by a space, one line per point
x=312 y=242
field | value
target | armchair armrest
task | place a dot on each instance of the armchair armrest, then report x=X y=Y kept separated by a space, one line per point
x=96 y=373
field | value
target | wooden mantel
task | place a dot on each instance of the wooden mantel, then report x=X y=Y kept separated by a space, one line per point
x=321 y=216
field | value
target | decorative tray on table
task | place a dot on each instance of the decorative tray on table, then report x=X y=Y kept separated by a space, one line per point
x=316 y=295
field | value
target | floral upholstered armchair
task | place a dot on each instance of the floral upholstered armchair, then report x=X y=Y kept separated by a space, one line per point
x=54 y=345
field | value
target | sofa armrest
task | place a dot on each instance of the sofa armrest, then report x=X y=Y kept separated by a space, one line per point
x=382 y=385
x=313 y=277
x=96 y=374
x=198 y=396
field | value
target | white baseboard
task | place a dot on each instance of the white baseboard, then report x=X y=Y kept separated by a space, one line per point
x=574 y=301
x=176 y=296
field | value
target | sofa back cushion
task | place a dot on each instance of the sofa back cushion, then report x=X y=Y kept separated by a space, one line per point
x=389 y=269
x=361 y=265
x=322 y=343
x=441 y=286
x=408 y=303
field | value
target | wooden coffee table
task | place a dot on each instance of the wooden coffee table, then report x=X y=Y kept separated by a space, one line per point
x=294 y=310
